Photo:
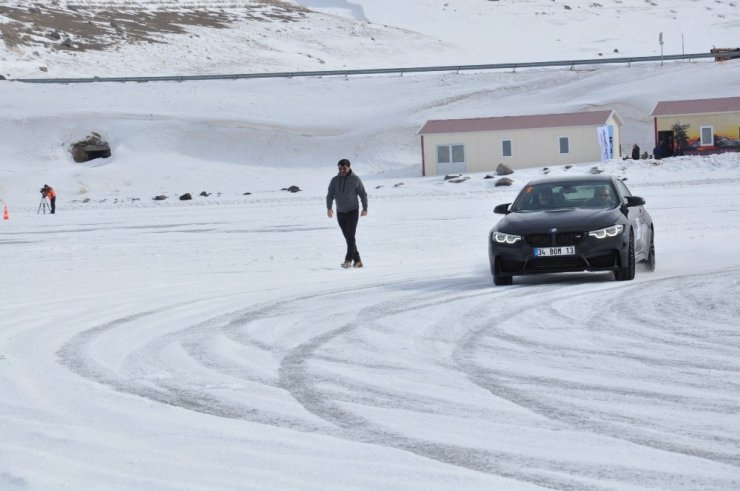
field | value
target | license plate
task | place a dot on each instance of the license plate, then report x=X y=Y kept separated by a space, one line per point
x=555 y=251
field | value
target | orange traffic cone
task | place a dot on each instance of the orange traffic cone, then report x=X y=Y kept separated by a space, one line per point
x=6 y=215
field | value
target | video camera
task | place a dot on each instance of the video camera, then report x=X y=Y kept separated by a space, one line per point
x=43 y=192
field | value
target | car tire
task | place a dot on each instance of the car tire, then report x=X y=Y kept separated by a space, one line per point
x=650 y=262
x=627 y=272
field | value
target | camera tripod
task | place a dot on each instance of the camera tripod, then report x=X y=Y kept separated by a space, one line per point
x=43 y=206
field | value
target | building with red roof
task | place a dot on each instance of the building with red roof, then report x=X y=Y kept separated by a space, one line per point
x=697 y=126
x=481 y=144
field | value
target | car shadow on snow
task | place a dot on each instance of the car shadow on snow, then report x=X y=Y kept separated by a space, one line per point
x=577 y=278
x=484 y=282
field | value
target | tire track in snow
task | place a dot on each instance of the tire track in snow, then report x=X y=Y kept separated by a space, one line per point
x=544 y=394
x=296 y=377
x=302 y=371
x=78 y=355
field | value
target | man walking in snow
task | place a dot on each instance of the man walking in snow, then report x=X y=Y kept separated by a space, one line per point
x=346 y=187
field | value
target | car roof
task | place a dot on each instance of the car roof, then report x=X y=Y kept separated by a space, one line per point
x=572 y=179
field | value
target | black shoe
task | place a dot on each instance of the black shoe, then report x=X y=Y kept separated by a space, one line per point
x=346 y=264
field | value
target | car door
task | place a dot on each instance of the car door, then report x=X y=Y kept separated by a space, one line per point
x=639 y=219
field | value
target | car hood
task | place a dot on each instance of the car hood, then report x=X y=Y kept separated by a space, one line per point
x=565 y=219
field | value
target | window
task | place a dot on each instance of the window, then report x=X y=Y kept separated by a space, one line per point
x=564 y=144
x=590 y=194
x=707 y=136
x=450 y=154
x=506 y=148
x=623 y=188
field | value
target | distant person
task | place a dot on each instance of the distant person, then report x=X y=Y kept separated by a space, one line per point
x=635 y=152
x=345 y=188
x=657 y=152
x=665 y=150
x=543 y=200
x=602 y=197
x=48 y=192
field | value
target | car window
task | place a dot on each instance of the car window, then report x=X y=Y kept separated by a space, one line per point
x=565 y=195
x=623 y=188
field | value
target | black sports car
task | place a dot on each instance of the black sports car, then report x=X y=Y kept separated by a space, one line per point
x=580 y=223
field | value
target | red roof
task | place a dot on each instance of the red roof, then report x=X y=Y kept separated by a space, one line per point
x=591 y=118
x=697 y=106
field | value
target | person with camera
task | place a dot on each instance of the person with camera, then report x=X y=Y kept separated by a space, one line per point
x=49 y=193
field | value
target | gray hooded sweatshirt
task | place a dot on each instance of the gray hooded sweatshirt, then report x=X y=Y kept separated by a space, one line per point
x=345 y=190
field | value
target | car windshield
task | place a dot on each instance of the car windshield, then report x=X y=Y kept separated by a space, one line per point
x=551 y=196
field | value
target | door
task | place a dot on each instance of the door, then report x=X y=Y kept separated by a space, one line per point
x=666 y=143
x=638 y=218
x=451 y=159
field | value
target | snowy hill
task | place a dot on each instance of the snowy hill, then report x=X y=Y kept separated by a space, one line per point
x=142 y=37
x=260 y=129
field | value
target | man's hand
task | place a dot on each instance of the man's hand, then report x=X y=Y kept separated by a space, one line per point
x=363 y=213
x=330 y=213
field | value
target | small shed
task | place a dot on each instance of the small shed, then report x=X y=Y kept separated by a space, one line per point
x=481 y=144
x=697 y=126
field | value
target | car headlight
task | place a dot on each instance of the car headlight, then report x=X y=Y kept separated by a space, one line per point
x=503 y=238
x=603 y=233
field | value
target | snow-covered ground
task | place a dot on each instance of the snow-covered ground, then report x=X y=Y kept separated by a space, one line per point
x=216 y=343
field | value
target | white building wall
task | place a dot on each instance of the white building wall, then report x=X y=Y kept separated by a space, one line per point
x=530 y=147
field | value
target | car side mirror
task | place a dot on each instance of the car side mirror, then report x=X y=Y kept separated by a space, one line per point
x=502 y=209
x=634 y=201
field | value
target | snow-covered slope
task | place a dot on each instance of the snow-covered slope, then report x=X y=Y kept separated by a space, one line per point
x=259 y=134
x=140 y=37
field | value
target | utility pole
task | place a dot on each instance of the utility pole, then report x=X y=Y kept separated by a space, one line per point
x=660 y=41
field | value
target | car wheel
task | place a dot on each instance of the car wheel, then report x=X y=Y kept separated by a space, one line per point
x=650 y=262
x=627 y=272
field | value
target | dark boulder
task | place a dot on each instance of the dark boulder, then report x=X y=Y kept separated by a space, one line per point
x=503 y=170
x=92 y=147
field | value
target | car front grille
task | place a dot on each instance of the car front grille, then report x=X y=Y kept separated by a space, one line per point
x=559 y=239
x=538 y=240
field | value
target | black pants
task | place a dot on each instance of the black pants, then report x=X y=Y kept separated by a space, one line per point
x=53 y=203
x=348 y=224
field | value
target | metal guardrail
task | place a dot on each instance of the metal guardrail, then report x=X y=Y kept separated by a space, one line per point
x=375 y=71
